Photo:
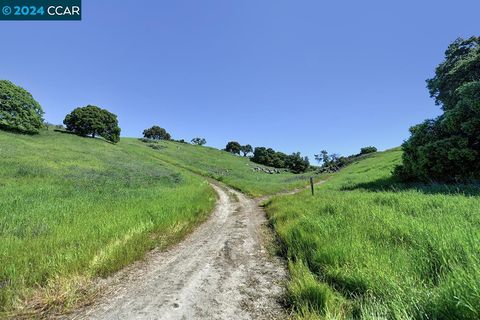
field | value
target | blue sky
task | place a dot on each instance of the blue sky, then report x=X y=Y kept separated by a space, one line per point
x=292 y=75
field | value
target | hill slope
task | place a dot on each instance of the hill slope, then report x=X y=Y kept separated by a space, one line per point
x=236 y=171
x=72 y=208
x=367 y=247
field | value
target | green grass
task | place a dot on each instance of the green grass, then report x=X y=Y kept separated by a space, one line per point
x=75 y=208
x=233 y=170
x=366 y=247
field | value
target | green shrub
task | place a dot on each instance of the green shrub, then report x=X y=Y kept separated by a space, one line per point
x=156 y=146
x=18 y=109
x=448 y=147
x=146 y=140
x=367 y=150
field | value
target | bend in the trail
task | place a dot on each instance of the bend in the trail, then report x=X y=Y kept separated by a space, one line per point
x=220 y=271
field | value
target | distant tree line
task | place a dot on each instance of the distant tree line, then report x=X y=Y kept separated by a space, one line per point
x=235 y=148
x=334 y=162
x=444 y=149
x=198 y=141
x=159 y=133
x=49 y=125
x=367 y=150
x=269 y=157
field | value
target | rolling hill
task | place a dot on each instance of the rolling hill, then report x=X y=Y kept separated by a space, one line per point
x=74 y=208
x=368 y=247
x=365 y=246
x=237 y=172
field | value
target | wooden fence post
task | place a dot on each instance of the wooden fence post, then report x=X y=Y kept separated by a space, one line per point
x=311 y=185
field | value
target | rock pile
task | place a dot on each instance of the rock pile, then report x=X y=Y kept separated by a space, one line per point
x=267 y=170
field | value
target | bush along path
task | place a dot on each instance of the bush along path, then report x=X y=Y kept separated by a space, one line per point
x=222 y=270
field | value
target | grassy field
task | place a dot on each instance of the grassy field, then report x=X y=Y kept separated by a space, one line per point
x=233 y=170
x=365 y=247
x=74 y=208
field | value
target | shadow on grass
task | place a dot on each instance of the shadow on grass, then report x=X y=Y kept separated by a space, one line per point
x=64 y=131
x=392 y=184
x=17 y=131
x=81 y=136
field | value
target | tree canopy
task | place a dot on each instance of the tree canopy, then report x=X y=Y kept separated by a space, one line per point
x=246 y=149
x=448 y=148
x=461 y=66
x=157 y=133
x=276 y=159
x=334 y=162
x=199 y=141
x=366 y=150
x=269 y=157
x=233 y=147
x=18 y=109
x=296 y=163
x=322 y=157
x=94 y=121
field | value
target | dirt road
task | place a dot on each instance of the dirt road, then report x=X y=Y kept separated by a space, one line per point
x=221 y=271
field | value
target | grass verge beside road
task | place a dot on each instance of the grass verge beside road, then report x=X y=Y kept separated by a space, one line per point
x=75 y=208
x=366 y=247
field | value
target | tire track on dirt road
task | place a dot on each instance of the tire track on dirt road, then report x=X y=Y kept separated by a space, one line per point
x=222 y=270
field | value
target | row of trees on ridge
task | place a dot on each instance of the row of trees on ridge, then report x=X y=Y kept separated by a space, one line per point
x=159 y=133
x=446 y=148
x=334 y=162
x=235 y=148
x=269 y=157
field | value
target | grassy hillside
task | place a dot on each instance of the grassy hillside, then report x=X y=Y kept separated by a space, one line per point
x=73 y=208
x=233 y=170
x=365 y=247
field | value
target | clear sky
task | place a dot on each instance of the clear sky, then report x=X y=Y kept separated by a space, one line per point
x=292 y=75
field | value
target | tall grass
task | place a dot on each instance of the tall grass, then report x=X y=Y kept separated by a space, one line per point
x=74 y=208
x=366 y=247
x=233 y=170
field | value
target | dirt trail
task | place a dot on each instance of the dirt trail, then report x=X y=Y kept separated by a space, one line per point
x=220 y=271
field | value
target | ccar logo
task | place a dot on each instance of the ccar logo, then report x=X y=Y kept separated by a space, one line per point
x=62 y=11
